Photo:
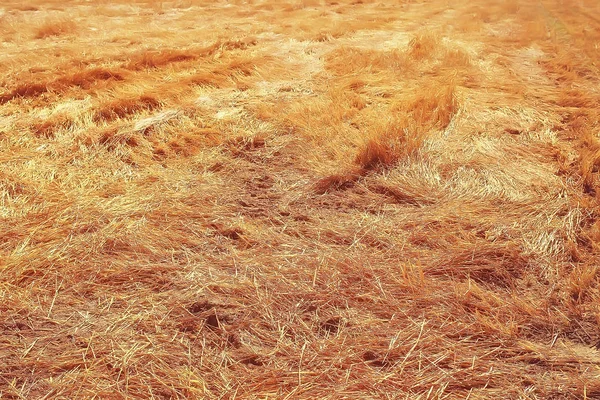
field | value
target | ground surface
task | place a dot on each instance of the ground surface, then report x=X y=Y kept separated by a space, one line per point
x=301 y=199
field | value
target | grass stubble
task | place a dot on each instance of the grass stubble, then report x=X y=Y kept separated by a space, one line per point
x=221 y=200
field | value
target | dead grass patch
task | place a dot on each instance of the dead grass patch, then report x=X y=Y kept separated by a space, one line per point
x=25 y=7
x=48 y=128
x=87 y=79
x=152 y=59
x=55 y=28
x=403 y=195
x=124 y=107
x=566 y=66
x=348 y=60
x=457 y=58
x=186 y=144
x=583 y=281
x=338 y=182
x=424 y=45
x=24 y=90
x=402 y=136
x=112 y=137
x=487 y=263
x=157 y=59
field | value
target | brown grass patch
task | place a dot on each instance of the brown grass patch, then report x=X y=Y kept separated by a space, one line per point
x=113 y=137
x=565 y=66
x=347 y=60
x=388 y=146
x=187 y=144
x=403 y=195
x=47 y=129
x=228 y=72
x=55 y=28
x=157 y=59
x=25 y=7
x=207 y=78
x=400 y=137
x=337 y=182
x=124 y=107
x=487 y=263
x=424 y=45
x=87 y=79
x=583 y=281
x=25 y=90
x=456 y=58
x=433 y=106
x=161 y=58
x=577 y=99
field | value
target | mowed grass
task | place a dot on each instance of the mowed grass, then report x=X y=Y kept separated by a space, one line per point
x=299 y=199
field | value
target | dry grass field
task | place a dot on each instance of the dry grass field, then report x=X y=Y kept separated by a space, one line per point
x=299 y=199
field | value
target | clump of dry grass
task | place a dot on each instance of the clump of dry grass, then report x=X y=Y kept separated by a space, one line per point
x=84 y=79
x=338 y=181
x=487 y=263
x=583 y=282
x=187 y=144
x=48 y=128
x=392 y=140
x=345 y=60
x=162 y=58
x=389 y=143
x=113 y=137
x=24 y=90
x=55 y=28
x=457 y=58
x=424 y=45
x=156 y=59
x=25 y=7
x=433 y=106
x=404 y=135
x=124 y=107
x=566 y=66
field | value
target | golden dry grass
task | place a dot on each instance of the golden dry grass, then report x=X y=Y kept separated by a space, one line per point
x=299 y=199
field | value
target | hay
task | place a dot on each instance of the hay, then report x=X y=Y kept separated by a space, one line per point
x=299 y=199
